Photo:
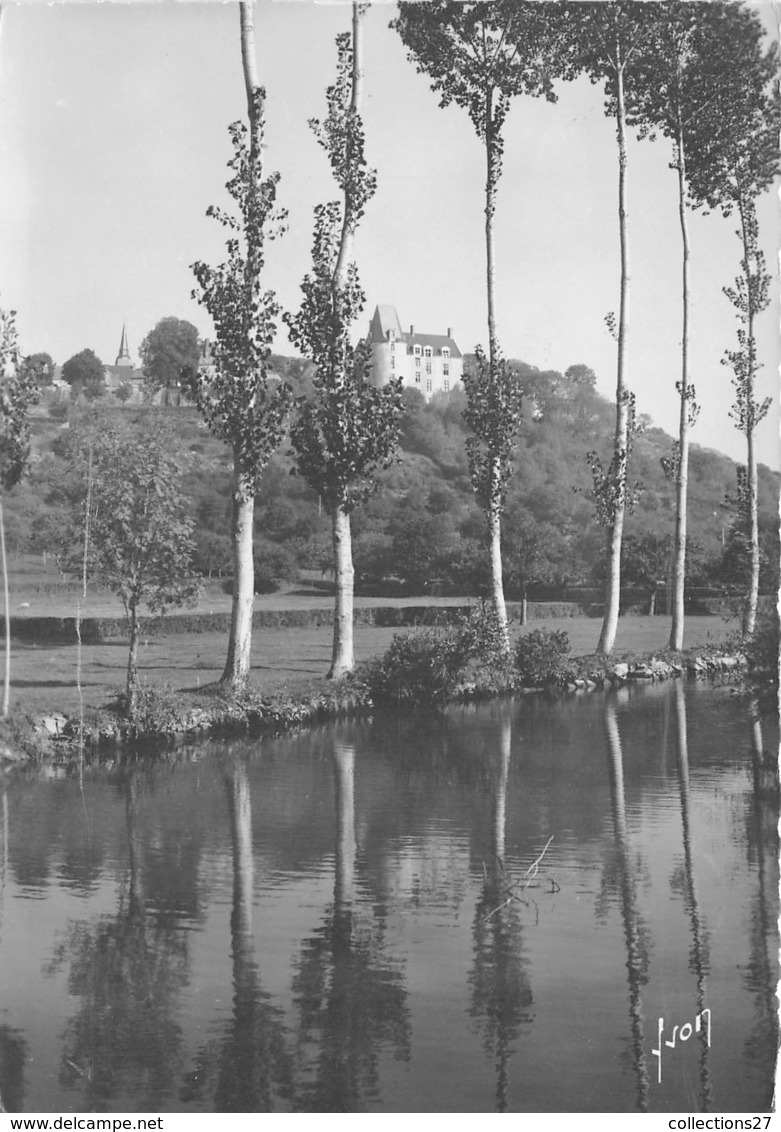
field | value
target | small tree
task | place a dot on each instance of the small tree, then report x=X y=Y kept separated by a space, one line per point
x=140 y=542
x=85 y=374
x=239 y=403
x=350 y=429
x=170 y=355
x=18 y=391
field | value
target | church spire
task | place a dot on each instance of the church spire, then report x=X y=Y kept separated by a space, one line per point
x=123 y=357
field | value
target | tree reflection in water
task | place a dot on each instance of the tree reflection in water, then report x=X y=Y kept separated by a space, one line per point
x=501 y=998
x=122 y=1046
x=699 y=959
x=251 y=1064
x=634 y=936
x=762 y=974
x=13 y=1048
x=350 y=995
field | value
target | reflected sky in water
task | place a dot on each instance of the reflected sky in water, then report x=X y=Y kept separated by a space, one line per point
x=362 y=918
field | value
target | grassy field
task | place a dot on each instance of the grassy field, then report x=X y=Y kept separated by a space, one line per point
x=43 y=677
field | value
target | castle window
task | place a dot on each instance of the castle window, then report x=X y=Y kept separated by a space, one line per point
x=445 y=368
x=428 y=351
x=393 y=362
x=417 y=361
x=446 y=386
x=445 y=351
x=392 y=343
x=416 y=351
x=428 y=367
x=428 y=385
x=417 y=378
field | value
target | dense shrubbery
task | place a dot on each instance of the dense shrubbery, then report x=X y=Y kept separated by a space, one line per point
x=540 y=655
x=427 y=668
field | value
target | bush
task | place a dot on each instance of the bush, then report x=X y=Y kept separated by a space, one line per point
x=158 y=707
x=421 y=669
x=539 y=656
x=429 y=667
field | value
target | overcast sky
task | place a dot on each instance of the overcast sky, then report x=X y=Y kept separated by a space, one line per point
x=114 y=140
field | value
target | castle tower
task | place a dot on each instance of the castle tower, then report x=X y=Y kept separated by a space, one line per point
x=123 y=357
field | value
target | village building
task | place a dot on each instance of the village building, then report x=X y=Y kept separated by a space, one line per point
x=431 y=363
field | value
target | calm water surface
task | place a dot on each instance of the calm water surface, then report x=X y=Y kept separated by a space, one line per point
x=352 y=919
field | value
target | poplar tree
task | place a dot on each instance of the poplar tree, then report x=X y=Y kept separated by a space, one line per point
x=738 y=159
x=608 y=38
x=695 y=51
x=349 y=430
x=479 y=56
x=239 y=403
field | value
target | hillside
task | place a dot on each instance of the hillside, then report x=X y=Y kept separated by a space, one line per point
x=424 y=525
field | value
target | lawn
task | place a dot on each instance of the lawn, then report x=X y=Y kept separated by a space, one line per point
x=43 y=677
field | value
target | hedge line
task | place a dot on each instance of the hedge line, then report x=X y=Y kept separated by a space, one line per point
x=95 y=630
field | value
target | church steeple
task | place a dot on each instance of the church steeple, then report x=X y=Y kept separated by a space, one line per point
x=123 y=357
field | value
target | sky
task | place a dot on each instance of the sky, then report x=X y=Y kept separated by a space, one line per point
x=114 y=141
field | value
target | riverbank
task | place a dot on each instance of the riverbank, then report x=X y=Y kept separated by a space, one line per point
x=167 y=717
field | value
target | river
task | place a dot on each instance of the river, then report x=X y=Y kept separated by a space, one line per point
x=563 y=905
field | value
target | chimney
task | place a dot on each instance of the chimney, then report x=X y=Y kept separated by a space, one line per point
x=450 y=331
x=412 y=328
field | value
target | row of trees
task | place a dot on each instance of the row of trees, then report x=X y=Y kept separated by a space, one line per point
x=698 y=74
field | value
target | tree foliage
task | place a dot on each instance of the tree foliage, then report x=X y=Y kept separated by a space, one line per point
x=18 y=392
x=85 y=374
x=170 y=353
x=239 y=403
x=140 y=542
x=41 y=366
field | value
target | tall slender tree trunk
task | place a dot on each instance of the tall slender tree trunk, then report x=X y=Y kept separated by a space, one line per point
x=752 y=485
x=7 y=617
x=132 y=659
x=342 y=658
x=237 y=665
x=682 y=472
x=494 y=486
x=607 y=637
x=752 y=597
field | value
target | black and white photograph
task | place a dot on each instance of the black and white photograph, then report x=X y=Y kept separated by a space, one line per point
x=389 y=543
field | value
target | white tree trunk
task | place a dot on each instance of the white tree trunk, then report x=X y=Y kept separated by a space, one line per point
x=497 y=584
x=342 y=658
x=607 y=637
x=682 y=477
x=237 y=664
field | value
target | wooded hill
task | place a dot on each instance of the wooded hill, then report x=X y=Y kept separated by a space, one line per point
x=423 y=525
